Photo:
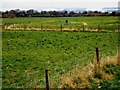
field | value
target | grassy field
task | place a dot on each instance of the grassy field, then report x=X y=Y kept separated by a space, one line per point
x=74 y=23
x=27 y=54
x=61 y=20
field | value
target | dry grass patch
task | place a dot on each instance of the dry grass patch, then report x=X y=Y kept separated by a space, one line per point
x=80 y=77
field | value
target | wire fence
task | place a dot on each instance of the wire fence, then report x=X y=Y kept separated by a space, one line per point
x=62 y=27
x=56 y=72
x=37 y=79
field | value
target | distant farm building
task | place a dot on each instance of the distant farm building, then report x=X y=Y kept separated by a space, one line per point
x=9 y=16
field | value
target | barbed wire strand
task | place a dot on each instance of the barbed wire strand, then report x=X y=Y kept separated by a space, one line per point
x=72 y=65
x=48 y=68
x=69 y=60
x=22 y=76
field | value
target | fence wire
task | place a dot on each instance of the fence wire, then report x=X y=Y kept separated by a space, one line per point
x=55 y=72
x=37 y=26
x=57 y=69
x=27 y=77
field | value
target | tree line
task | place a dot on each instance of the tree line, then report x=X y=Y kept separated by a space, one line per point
x=35 y=13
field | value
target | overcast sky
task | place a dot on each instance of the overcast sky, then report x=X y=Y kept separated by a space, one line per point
x=46 y=4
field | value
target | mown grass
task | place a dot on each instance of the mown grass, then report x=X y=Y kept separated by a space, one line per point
x=25 y=52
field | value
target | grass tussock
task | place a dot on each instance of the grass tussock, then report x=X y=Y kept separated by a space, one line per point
x=109 y=61
x=89 y=76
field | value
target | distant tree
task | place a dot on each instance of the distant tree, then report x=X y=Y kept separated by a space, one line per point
x=55 y=13
x=22 y=13
x=36 y=12
x=65 y=12
x=72 y=13
x=106 y=12
x=90 y=12
x=99 y=12
x=30 y=12
x=12 y=12
x=17 y=10
x=84 y=12
x=79 y=12
x=6 y=12
x=43 y=12
x=1 y=14
x=117 y=13
x=113 y=13
x=61 y=13
x=95 y=11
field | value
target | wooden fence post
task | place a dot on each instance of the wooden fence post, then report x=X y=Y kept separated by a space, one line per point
x=24 y=27
x=61 y=27
x=98 y=28
x=98 y=60
x=47 y=81
x=41 y=27
x=83 y=28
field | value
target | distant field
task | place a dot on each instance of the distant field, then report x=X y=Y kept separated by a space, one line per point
x=61 y=20
x=74 y=23
x=25 y=52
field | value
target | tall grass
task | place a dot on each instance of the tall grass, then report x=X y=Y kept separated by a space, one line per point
x=85 y=76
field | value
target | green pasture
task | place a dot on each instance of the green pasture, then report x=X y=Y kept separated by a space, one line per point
x=61 y=20
x=74 y=23
x=25 y=52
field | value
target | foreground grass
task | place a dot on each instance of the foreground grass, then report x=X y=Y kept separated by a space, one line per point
x=25 y=52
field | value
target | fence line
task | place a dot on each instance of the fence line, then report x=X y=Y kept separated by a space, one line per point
x=74 y=63
x=104 y=28
x=70 y=67
x=59 y=70
x=56 y=74
x=69 y=60
x=27 y=78
x=49 y=68
x=22 y=76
